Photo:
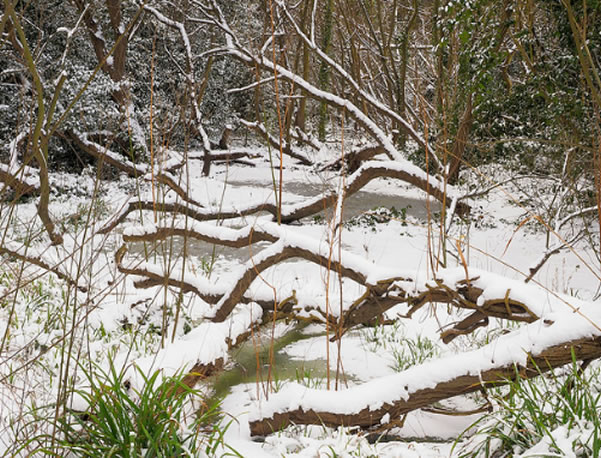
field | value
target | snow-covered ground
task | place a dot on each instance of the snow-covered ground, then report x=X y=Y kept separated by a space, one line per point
x=113 y=318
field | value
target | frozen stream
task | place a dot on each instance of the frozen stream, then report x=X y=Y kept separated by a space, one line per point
x=361 y=201
x=251 y=360
x=355 y=205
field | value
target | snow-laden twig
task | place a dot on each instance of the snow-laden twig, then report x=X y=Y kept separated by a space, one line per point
x=235 y=49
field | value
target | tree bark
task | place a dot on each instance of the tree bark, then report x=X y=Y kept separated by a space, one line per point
x=466 y=382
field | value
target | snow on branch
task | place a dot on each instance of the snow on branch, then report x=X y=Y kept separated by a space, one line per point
x=414 y=174
x=204 y=350
x=301 y=136
x=560 y=330
x=525 y=353
x=367 y=172
x=353 y=160
x=107 y=156
x=482 y=293
x=171 y=181
x=285 y=244
x=229 y=157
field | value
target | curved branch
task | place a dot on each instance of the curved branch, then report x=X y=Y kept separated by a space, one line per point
x=285 y=245
x=365 y=174
x=366 y=406
x=355 y=158
x=191 y=211
x=382 y=291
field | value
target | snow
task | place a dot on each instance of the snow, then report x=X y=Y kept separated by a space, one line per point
x=512 y=348
x=206 y=344
x=393 y=249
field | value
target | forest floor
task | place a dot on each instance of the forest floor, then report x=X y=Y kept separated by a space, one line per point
x=388 y=223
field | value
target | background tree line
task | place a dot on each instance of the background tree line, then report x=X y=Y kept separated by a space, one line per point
x=454 y=84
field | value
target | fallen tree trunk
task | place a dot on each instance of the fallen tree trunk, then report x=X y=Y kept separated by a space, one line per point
x=230 y=157
x=376 y=403
x=561 y=330
x=106 y=156
x=384 y=287
x=368 y=172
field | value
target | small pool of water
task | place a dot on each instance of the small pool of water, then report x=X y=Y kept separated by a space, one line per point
x=251 y=363
x=354 y=205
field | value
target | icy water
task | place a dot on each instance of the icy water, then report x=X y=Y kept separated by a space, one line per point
x=251 y=363
x=362 y=201
x=355 y=205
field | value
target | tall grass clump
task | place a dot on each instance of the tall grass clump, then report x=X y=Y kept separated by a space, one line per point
x=158 y=420
x=405 y=351
x=556 y=415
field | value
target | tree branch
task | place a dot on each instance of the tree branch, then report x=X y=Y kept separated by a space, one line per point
x=365 y=406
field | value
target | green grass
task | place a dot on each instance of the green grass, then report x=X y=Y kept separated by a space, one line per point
x=559 y=414
x=406 y=351
x=378 y=215
x=120 y=421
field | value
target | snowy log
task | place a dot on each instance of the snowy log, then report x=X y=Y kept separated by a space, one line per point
x=366 y=173
x=203 y=351
x=229 y=157
x=483 y=294
x=561 y=329
x=526 y=353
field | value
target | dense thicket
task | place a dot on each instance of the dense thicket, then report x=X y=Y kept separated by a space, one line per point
x=484 y=80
